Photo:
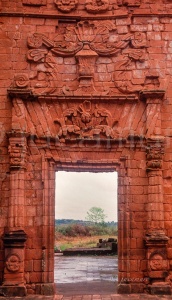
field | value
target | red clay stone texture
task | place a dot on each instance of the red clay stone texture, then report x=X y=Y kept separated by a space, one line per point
x=85 y=86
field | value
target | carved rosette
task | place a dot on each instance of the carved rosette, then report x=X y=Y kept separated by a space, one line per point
x=13 y=262
x=66 y=6
x=158 y=267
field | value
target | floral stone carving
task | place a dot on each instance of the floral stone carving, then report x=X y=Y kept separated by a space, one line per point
x=86 y=121
x=66 y=6
x=87 y=41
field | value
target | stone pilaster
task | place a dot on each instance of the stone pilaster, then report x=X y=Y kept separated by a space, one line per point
x=155 y=239
x=14 y=237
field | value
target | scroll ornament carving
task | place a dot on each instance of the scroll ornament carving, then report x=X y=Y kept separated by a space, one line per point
x=154 y=156
x=87 y=41
x=21 y=80
x=66 y=6
x=13 y=263
x=96 y=6
x=86 y=122
x=17 y=150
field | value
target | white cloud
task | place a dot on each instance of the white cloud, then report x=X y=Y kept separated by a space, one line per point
x=77 y=192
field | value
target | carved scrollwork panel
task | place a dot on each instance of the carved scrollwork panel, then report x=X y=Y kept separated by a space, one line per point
x=86 y=41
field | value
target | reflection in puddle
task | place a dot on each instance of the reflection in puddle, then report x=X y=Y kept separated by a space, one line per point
x=75 y=269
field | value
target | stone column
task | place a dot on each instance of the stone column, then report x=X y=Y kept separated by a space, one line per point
x=14 y=236
x=155 y=239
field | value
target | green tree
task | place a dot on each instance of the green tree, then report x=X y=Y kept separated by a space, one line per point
x=96 y=215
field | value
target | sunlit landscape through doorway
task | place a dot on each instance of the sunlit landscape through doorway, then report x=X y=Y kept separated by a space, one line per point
x=86 y=230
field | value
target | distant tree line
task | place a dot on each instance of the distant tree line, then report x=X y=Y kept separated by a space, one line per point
x=81 y=222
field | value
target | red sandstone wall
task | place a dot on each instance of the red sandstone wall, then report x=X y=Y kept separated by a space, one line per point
x=148 y=68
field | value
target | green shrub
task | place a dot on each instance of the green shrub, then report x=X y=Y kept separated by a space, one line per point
x=74 y=230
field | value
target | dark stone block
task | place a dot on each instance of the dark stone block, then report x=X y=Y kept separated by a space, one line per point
x=159 y=290
x=13 y=291
x=48 y=289
x=124 y=289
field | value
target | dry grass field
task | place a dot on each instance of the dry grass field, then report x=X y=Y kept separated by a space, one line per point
x=64 y=242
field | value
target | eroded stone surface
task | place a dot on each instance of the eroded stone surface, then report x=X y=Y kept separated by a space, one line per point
x=86 y=86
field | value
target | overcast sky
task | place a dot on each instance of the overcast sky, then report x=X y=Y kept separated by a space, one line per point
x=77 y=192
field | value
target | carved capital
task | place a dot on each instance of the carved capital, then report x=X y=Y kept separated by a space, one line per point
x=17 y=149
x=154 y=153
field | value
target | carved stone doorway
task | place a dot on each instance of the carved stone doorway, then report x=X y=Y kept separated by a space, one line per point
x=88 y=139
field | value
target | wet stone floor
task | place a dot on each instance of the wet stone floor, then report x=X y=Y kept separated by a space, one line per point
x=80 y=274
x=88 y=278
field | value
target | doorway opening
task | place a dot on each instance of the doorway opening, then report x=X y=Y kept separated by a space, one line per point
x=86 y=219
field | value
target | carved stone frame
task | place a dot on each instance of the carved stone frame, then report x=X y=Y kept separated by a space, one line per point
x=51 y=163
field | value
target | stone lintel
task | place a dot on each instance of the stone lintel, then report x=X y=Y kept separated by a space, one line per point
x=26 y=94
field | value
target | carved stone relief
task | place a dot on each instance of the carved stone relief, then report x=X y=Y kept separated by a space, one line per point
x=86 y=121
x=86 y=41
x=96 y=6
x=157 y=262
x=155 y=153
x=66 y=6
x=17 y=150
x=21 y=80
x=13 y=263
